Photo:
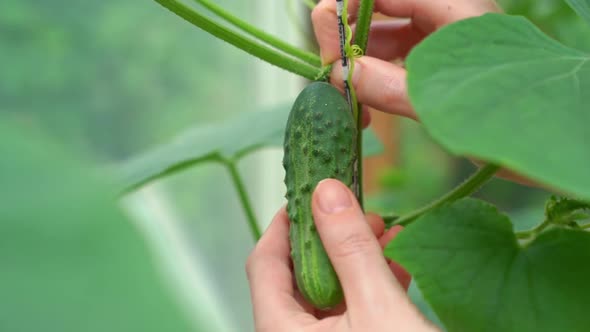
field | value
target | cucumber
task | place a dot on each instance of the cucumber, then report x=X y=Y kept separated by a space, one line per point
x=320 y=143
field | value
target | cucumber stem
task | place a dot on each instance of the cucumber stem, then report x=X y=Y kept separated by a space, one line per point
x=308 y=57
x=244 y=199
x=468 y=187
x=363 y=24
x=533 y=232
x=363 y=27
x=246 y=44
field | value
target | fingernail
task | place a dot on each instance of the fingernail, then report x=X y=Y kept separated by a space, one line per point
x=333 y=196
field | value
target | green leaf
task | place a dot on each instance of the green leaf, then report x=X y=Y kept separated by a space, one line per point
x=232 y=139
x=564 y=210
x=495 y=87
x=70 y=259
x=582 y=8
x=207 y=142
x=468 y=264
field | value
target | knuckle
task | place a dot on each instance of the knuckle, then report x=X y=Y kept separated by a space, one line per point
x=354 y=244
x=319 y=11
x=392 y=91
x=316 y=14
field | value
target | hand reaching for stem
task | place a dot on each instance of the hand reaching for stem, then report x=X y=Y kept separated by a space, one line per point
x=378 y=82
x=374 y=288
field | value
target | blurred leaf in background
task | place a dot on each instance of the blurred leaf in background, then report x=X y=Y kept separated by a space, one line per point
x=70 y=260
x=422 y=173
x=112 y=77
x=555 y=18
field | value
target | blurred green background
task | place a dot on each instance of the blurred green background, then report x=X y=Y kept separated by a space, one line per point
x=86 y=85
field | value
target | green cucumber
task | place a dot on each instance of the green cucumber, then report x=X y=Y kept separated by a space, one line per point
x=320 y=143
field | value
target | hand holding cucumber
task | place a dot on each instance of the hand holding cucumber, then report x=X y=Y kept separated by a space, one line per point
x=374 y=288
x=286 y=292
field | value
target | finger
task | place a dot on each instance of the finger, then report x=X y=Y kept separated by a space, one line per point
x=377 y=224
x=389 y=235
x=430 y=15
x=378 y=84
x=269 y=275
x=402 y=276
x=378 y=227
x=353 y=250
x=426 y=17
x=338 y=310
x=366 y=117
x=325 y=26
x=308 y=308
x=393 y=39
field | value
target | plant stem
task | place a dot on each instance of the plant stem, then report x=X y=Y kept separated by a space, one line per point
x=359 y=149
x=310 y=4
x=363 y=24
x=244 y=199
x=324 y=74
x=533 y=232
x=308 y=57
x=246 y=44
x=468 y=187
x=389 y=220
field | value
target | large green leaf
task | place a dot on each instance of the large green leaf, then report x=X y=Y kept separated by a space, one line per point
x=476 y=276
x=495 y=87
x=70 y=260
x=226 y=140
x=582 y=7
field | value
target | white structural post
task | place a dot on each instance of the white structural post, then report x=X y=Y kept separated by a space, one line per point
x=184 y=269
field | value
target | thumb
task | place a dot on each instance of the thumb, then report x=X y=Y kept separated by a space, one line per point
x=353 y=249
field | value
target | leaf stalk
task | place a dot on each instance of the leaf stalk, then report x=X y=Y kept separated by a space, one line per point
x=468 y=187
x=308 y=57
x=363 y=27
x=246 y=44
x=244 y=199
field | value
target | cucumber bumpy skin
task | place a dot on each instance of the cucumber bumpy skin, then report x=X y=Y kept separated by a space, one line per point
x=320 y=143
